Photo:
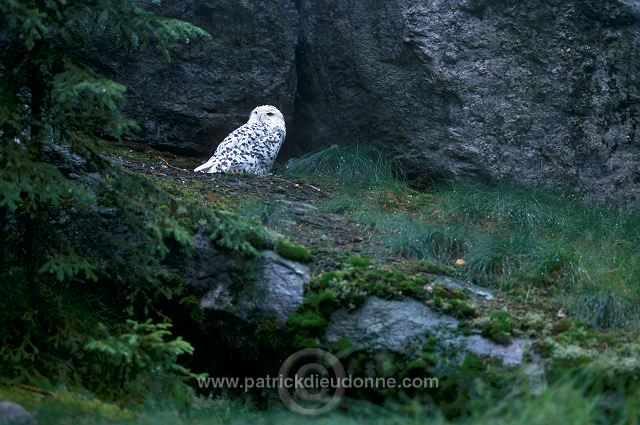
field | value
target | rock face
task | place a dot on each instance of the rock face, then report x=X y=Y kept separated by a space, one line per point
x=399 y=326
x=271 y=287
x=543 y=92
x=403 y=326
x=277 y=290
x=210 y=87
x=510 y=355
x=14 y=414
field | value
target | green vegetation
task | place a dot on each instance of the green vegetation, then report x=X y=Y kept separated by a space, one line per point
x=358 y=261
x=292 y=251
x=356 y=167
x=508 y=237
x=129 y=274
x=140 y=362
x=498 y=326
x=529 y=239
x=88 y=250
x=92 y=289
x=565 y=403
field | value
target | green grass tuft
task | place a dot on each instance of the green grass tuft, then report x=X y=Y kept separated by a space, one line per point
x=348 y=166
x=519 y=237
x=515 y=238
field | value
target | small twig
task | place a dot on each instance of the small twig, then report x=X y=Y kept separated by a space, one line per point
x=283 y=180
x=294 y=183
x=171 y=166
x=317 y=189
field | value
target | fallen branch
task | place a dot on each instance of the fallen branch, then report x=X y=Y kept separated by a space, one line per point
x=36 y=390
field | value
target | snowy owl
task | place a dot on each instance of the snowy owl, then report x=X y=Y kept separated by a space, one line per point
x=251 y=148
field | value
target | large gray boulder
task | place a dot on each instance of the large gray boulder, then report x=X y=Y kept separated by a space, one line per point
x=14 y=414
x=276 y=290
x=400 y=326
x=543 y=92
x=403 y=326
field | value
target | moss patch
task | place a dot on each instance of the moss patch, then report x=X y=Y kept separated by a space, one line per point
x=357 y=261
x=293 y=252
x=498 y=326
x=427 y=266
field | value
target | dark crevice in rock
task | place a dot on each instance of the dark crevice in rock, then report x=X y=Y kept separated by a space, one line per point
x=299 y=130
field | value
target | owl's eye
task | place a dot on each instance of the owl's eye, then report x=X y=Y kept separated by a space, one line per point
x=270 y=114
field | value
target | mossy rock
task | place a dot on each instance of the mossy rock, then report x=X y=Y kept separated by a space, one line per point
x=449 y=293
x=460 y=309
x=348 y=289
x=498 y=327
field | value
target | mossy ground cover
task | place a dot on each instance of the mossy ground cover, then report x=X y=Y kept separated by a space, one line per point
x=369 y=233
x=521 y=240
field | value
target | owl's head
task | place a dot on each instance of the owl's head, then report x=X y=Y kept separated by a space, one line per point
x=267 y=114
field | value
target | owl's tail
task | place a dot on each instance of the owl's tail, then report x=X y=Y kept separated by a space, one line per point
x=206 y=165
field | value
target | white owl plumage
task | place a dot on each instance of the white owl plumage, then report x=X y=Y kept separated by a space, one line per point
x=251 y=148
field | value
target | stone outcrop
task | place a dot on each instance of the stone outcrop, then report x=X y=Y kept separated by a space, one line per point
x=541 y=93
x=403 y=326
x=14 y=414
x=275 y=292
